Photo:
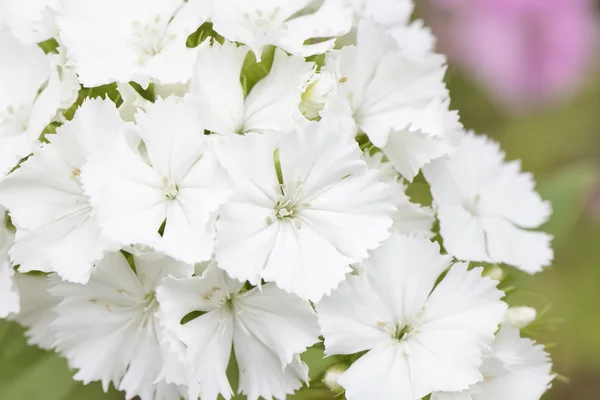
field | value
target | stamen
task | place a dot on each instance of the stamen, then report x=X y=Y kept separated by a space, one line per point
x=171 y=189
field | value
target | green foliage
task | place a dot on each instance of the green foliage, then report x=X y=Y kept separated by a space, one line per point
x=49 y=46
x=567 y=189
x=191 y=316
x=253 y=70
x=28 y=372
x=204 y=32
x=315 y=357
x=148 y=93
x=109 y=91
x=318 y=59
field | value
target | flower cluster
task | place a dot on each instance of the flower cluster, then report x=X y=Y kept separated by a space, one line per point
x=191 y=187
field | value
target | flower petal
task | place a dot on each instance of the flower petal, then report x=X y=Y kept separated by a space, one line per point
x=383 y=373
x=465 y=310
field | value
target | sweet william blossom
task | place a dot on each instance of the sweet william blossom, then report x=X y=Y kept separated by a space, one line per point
x=315 y=94
x=9 y=294
x=57 y=230
x=134 y=101
x=30 y=21
x=224 y=107
x=133 y=40
x=514 y=368
x=400 y=101
x=199 y=237
x=37 y=304
x=108 y=329
x=389 y=13
x=174 y=179
x=30 y=96
x=488 y=208
x=420 y=336
x=304 y=207
x=287 y=24
x=394 y=17
x=267 y=327
x=410 y=218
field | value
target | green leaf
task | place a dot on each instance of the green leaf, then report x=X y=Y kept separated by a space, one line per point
x=147 y=93
x=253 y=71
x=205 y=31
x=49 y=46
x=315 y=358
x=109 y=91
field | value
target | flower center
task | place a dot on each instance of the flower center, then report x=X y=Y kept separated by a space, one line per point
x=151 y=37
x=288 y=202
x=472 y=205
x=398 y=332
x=171 y=189
x=151 y=304
x=261 y=19
x=285 y=208
x=14 y=119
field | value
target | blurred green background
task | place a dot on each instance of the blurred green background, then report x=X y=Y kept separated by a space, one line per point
x=561 y=146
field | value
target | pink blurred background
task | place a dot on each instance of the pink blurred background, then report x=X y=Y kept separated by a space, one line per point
x=527 y=53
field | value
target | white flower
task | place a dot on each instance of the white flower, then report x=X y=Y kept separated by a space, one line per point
x=519 y=317
x=304 y=207
x=331 y=376
x=411 y=218
x=421 y=337
x=37 y=308
x=57 y=229
x=315 y=94
x=268 y=328
x=415 y=39
x=487 y=207
x=24 y=110
x=176 y=180
x=108 y=329
x=398 y=100
x=134 y=101
x=389 y=13
x=270 y=105
x=133 y=40
x=516 y=368
x=287 y=24
x=68 y=78
x=496 y=273
x=30 y=21
x=9 y=294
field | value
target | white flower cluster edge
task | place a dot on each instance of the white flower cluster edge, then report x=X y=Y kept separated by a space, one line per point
x=150 y=243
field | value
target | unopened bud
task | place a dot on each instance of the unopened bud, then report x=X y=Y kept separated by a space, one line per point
x=316 y=93
x=332 y=375
x=496 y=273
x=520 y=317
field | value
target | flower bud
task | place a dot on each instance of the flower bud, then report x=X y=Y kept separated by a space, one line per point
x=332 y=375
x=520 y=317
x=496 y=273
x=315 y=94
